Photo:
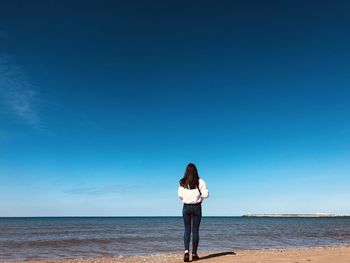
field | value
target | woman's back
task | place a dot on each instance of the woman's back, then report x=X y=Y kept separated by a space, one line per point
x=193 y=196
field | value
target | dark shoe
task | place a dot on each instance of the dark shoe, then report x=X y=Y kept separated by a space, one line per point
x=187 y=257
x=195 y=257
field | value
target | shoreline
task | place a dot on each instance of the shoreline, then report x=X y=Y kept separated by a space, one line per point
x=339 y=254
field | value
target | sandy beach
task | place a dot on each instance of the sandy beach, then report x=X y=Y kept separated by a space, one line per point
x=321 y=255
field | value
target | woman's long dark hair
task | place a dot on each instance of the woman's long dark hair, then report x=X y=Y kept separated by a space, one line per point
x=191 y=177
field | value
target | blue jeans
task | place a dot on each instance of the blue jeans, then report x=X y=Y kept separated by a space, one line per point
x=192 y=212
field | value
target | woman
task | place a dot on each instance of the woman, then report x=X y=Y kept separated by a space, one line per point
x=192 y=191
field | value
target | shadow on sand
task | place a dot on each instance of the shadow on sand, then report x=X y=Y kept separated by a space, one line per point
x=214 y=255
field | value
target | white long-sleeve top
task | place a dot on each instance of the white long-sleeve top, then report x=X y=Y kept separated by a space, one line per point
x=192 y=196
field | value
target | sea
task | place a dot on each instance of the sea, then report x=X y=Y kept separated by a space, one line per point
x=72 y=237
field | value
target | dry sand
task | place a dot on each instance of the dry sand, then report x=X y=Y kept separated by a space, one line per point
x=320 y=255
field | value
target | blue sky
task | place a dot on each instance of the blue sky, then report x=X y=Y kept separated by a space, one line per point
x=103 y=103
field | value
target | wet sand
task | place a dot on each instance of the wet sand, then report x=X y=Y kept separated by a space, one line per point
x=320 y=255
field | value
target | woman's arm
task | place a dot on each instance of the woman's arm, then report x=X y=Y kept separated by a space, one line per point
x=180 y=192
x=203 y=188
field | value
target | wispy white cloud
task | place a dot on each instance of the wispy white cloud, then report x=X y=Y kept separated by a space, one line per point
x=17 y=95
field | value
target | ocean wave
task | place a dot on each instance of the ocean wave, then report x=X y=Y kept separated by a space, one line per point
x=53 y=243
x=80 y=242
